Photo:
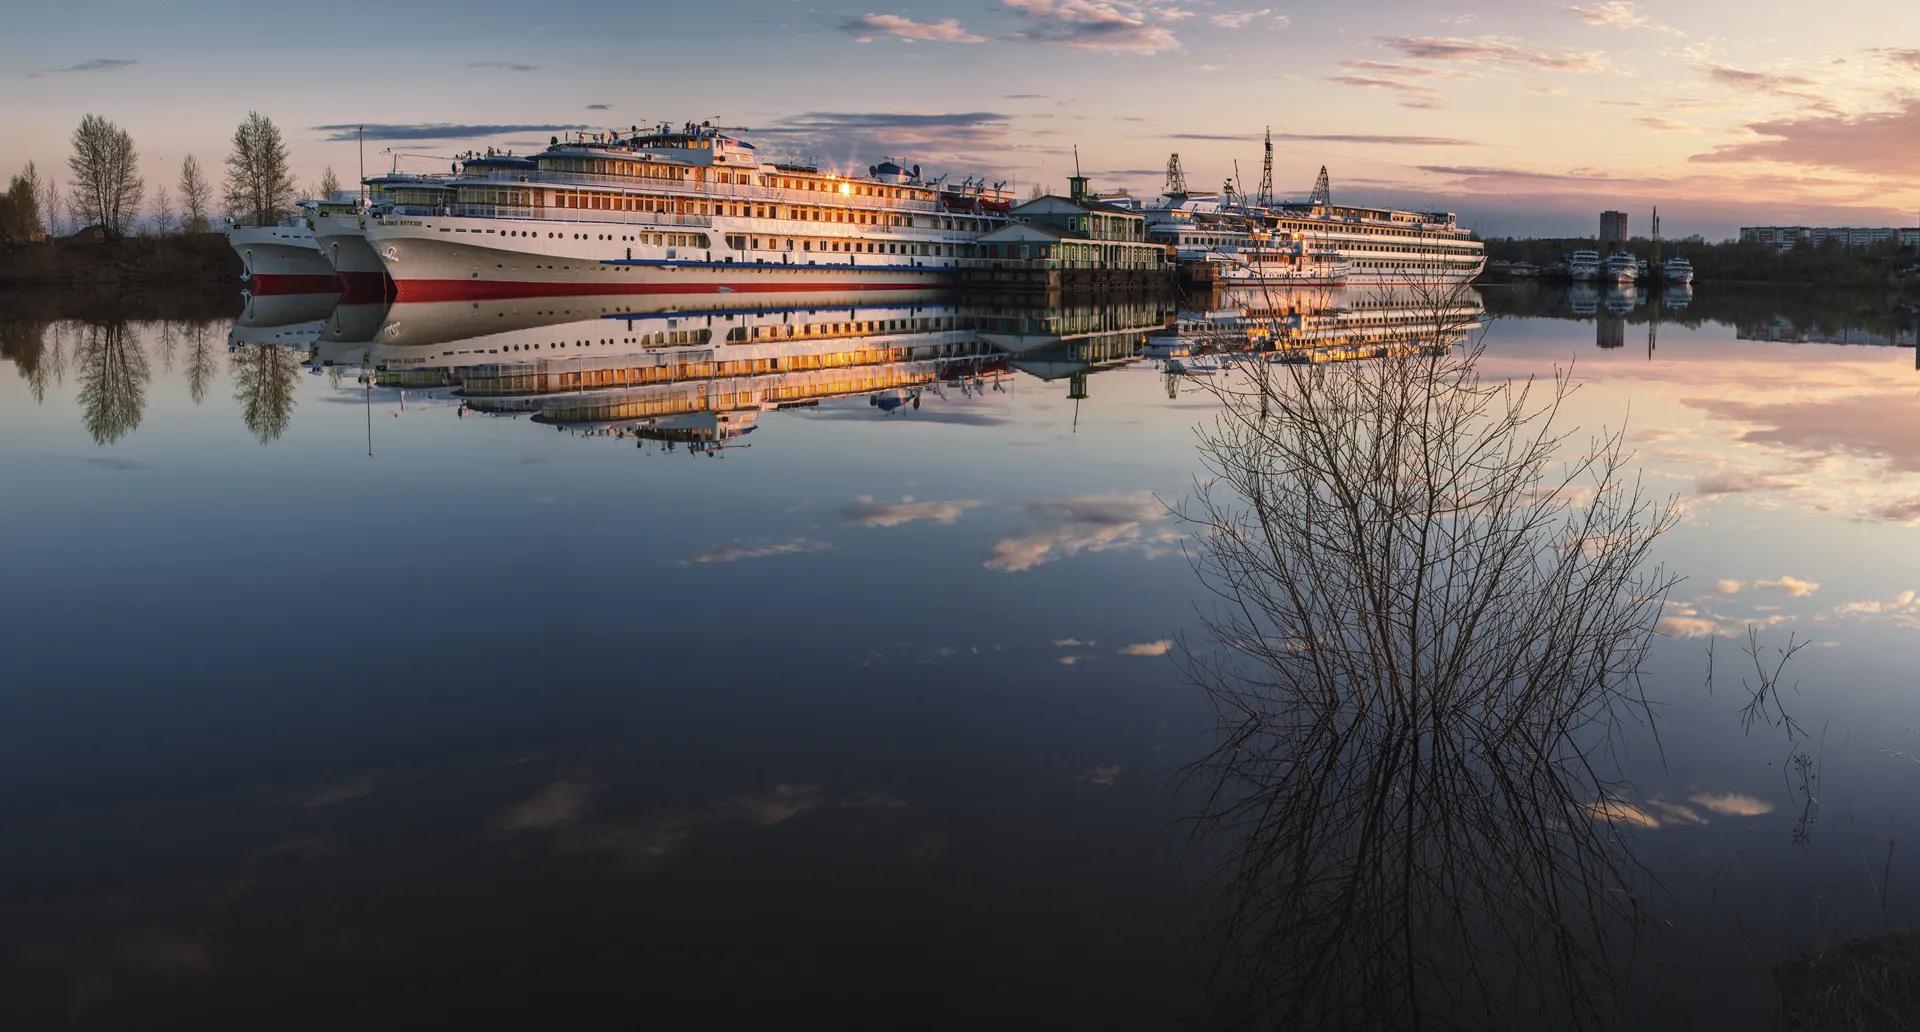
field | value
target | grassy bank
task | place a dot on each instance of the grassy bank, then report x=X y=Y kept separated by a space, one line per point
x=133 y=261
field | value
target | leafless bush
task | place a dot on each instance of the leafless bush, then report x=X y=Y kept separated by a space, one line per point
x=1425 y=648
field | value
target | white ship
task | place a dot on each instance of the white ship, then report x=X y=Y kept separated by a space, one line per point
x=665 y=210
x=1384 y=245
x=282 y=258
x=340 y=229
x=1677 y=271
x=1621 y=267
x=1584 y=266
x=1315 y=242
x=1267 y=259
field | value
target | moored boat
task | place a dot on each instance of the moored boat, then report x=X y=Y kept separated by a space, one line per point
x=282 y=258
x=1583 y=266
x=1621 y=267
x=665 y=210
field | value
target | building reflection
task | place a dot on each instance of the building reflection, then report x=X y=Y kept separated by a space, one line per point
x=1072 y=342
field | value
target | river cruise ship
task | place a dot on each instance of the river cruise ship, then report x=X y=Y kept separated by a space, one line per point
x=1382 y=245
x=1215 y=244
x=339 y=227
x=283 y=258
x=1584 y=266
x=676 y=210
x=1314 y=242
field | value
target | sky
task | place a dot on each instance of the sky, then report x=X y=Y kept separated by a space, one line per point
x=1526 y=118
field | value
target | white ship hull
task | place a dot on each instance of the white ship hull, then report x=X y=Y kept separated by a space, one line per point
x=442 y=258
x=281 y=259
x=342 y=241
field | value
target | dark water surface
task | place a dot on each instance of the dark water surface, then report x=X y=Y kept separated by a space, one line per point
x=865 y=712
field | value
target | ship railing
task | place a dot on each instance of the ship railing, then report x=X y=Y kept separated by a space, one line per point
x=734 y=191
x=505 y=211
x=1056 y=263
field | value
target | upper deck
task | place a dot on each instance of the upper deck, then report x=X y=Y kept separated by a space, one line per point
x=702 y=160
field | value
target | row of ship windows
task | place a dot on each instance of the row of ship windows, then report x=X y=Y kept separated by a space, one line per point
x=603 y=201
x=694 y=240
x=1323 y=227
x=651 y=170
x=1414 y=249
x=746 y=334
x=742 y=242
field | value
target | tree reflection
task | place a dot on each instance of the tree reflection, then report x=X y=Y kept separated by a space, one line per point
x=264 y=383
x=1429 y=629
x=23 y=342
x=200 y=363
x=167 y=341
x=113 y=380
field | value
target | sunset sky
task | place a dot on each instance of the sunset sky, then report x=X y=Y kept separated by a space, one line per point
x=1526 y=118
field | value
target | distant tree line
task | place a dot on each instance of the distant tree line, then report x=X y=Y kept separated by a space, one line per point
x=105 y=191
x=1832 y=264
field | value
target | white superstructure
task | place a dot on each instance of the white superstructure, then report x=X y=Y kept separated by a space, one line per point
x=665 y=210
x=1621 y=267
x=1584 y=266
x=1220 y=244
x=1383 y=245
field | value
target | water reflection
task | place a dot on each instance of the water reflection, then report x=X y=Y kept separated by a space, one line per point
x=1015 y=726
x=265 y=377
x=201 y=362
x=114 y=373
x=1431 y=625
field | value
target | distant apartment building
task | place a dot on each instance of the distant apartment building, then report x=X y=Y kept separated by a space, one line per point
x=1786 y=238
x=1613 y=227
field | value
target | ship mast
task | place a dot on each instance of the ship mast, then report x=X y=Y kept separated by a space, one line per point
x=1265 y=198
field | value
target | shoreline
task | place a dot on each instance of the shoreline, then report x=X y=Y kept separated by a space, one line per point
x=81 y=261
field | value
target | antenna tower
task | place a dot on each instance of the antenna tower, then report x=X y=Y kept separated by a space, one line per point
x=1265 y=197
x=1656 y=241
x=1176 y=179
x=1322 y=191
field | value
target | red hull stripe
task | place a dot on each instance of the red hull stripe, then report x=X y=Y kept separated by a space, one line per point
x=483 y=290
x=289 y=283
x=361 y=286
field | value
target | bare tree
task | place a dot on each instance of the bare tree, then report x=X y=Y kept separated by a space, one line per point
x=165 y=219
x=106 y=187
x=260 y=185
x=194 y=197
x=329 y=184
x=51 y=208
x=1429 y=628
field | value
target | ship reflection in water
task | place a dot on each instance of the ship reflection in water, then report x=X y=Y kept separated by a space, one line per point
x=699 y=370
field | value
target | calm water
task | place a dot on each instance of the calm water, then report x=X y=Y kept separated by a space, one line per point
x=329 y=701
